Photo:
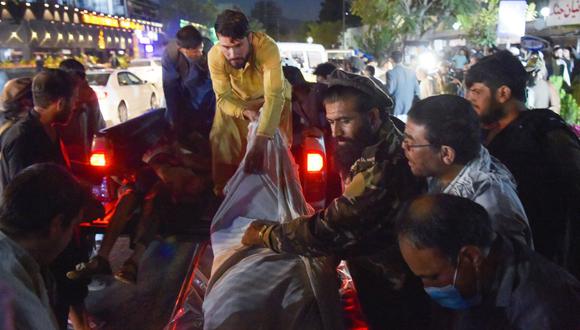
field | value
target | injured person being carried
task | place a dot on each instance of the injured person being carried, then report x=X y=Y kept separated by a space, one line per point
x=256 y=288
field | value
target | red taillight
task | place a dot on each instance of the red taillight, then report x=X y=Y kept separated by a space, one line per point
x=98 y=159
x=314 y=162
x=99 y=155
x=102 y=94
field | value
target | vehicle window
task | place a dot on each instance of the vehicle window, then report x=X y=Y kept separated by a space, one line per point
x=314 y=58
x=297 y=56
x=98 y=79
x=137 y=64
x=134 y=79
x=123 y=79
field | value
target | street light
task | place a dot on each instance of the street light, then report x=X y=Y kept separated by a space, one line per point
x=545 y=12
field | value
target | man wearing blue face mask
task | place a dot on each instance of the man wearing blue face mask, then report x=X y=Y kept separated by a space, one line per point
x=494 y=282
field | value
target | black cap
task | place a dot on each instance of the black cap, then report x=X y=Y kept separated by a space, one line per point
x=361 y=83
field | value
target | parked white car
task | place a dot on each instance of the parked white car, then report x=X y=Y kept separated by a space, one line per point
x=147 y=69
x=122 y=95
x=305 y=56
x=150 y=69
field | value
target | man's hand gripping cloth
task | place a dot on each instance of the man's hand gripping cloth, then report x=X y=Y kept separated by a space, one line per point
x=256 y=288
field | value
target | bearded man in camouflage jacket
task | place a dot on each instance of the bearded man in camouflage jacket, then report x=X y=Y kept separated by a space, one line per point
x=358 y=226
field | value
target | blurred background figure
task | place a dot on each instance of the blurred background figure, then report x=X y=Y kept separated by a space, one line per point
x=541 y=93
x=460 y=59
x=561 y=66
x=15 y=102
x=446 y=79
x=114 y=61
x=323 y=70
x=426 y=84
x=308 y=114
x=402 y=85
x=39 y=63
x=369 y=72
x=86 y=119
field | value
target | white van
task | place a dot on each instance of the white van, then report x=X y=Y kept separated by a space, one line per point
x=340 y=54
x=304 y=55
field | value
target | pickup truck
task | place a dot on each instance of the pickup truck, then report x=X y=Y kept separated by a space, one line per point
x=118 y=150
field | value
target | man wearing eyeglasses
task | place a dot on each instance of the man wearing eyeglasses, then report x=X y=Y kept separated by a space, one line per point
x=442 y=143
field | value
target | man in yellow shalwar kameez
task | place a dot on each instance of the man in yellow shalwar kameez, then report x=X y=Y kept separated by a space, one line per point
x=247 y=78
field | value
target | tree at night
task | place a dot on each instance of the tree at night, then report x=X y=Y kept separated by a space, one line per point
x=270 y=14
x=391 y=22
x=199 y=11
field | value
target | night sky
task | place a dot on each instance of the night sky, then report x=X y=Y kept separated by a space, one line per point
x=306 y=10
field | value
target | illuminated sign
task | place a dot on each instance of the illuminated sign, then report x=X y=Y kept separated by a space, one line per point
x=110 y=22
x=563 y=12
x=130 y=25
x=101 y=42
x=100 y=20
x=146 y=38
x=511 y=24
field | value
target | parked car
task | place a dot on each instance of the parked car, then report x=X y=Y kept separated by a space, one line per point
x=147 y=69
x=122 y=95
x=150 y=69
x=119 y=149
x=305 y=56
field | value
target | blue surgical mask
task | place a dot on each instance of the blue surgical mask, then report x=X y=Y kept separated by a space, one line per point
x=449 y=297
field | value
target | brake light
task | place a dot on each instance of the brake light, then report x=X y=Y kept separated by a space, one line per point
x=314 y=162
x=98 y=159
x=102 y=94
x=99 y=155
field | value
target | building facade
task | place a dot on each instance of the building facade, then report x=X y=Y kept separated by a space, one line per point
x=55 y=27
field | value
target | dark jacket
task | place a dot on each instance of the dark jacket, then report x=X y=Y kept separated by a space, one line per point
x=24 y=144
x=544 y=156
x=86 y=120
x=188 y=91
x=525 y=292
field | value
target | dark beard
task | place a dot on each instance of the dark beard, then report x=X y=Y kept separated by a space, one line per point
x=63 y=118
x=346 y=155
x=238 y=67
x=493 y=114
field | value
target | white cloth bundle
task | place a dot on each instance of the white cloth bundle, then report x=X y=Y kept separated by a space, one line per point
x=255 y=288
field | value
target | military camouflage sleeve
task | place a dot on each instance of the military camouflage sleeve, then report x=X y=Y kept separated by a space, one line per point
x=367 y=207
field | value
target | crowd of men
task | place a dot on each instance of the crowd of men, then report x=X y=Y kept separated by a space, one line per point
x=472 y=204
